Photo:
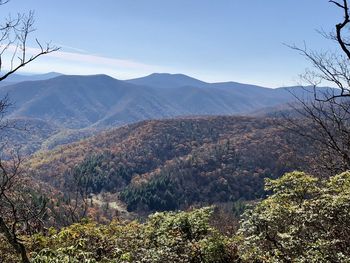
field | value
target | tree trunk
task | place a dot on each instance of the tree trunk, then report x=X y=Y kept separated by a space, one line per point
x=18 y=246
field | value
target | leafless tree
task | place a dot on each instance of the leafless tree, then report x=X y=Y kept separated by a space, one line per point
x=77 y=191
x=19 y=210
x=325 y=112
x=14 y=37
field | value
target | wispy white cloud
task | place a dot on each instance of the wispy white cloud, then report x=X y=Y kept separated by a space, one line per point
x=79 y=62
x=90 y=60
x=96 y=60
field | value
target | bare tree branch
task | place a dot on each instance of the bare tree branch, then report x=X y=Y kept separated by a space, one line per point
x=19 y=212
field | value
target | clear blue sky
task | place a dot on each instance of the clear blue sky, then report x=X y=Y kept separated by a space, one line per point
x=220 y=40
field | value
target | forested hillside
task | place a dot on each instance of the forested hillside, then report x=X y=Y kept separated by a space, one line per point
x=173 y=164
x=78 y=106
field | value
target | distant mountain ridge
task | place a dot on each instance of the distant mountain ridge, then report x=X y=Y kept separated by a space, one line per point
x=101 y=101
x=76 y=106
x=15 y=78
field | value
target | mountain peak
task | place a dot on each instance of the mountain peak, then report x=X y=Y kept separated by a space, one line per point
x=170 y=75
x=167 y=80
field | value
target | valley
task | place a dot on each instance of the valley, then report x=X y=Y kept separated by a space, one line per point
x=157 y=143
x=96 y=148
x=110 y=154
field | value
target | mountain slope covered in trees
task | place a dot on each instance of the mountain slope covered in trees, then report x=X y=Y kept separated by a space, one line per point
x=101 y=101
x=175 y=163
x=79 y=106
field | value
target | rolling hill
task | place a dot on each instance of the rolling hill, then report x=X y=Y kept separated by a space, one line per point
x=176 y=163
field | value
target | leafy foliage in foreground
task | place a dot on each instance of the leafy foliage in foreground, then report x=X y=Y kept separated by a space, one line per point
x=305 y=220
x=164 y=237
